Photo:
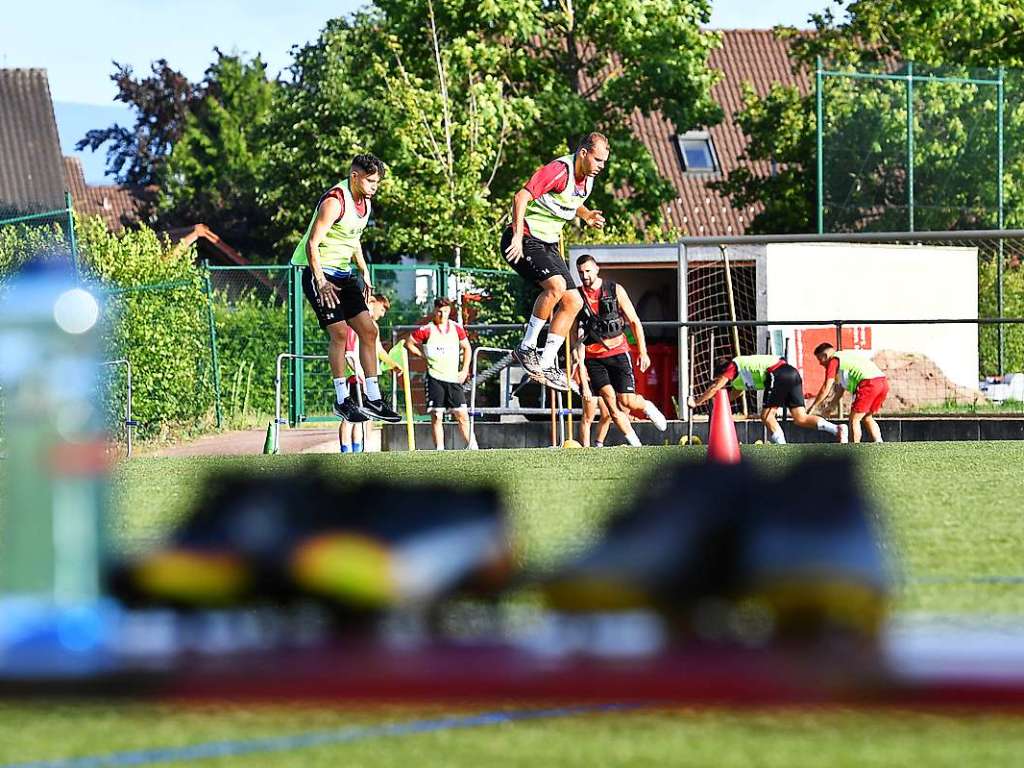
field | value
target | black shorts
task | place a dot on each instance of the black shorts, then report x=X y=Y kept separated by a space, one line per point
x=615 y=371
x=783 y=387
x=444 y=395
x=540 y=260
x=350 y=294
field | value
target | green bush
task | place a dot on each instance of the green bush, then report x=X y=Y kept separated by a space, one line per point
x=157 y=316
x=1013 y=306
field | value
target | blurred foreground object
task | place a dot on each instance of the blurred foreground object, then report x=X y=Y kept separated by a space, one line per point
x=56 y=470
x=726 y=554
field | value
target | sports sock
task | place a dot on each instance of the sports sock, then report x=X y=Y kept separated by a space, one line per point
x=878 y=440
x=340 y=389
x=346 y=449
x=632 y=439
x=357 y=447
x=372 y=388
x=533 y=329
x=440 y=447
x=778 y=437
x=827 y=426
x=599 y=444
x=550 y=355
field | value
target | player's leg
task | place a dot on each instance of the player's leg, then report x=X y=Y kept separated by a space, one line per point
x=880 y=389
x=603 y=425
x=771 y=424
x=856 y=417
x=587 y=419
x=435 y=407
x=359 y=436
x=533 y=268
x=345 y=436
x=461 y=416
x=619 y=416
x=805 y=421
x=357 y=315
x=437 y=427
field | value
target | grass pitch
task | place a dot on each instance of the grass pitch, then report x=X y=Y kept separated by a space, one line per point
x=953 y=512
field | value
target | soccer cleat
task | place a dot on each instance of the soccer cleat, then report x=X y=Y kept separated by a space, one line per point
x=555 y=378
x=349 y=411
x=530 y=360
x=843 y=435
x=378 y=409
x=657 y=417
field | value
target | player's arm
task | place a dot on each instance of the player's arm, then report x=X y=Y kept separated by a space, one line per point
x=826 y=386
x=579 y=352
x=326 y=214
x=361 y=263
x=591 y=218
x=709 y=393
x=626 y=306
x=467 y=357
x=514 y=252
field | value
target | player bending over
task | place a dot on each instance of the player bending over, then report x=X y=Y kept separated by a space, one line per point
x=856 y=373
x=783 y=388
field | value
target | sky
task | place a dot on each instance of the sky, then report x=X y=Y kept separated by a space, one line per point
x=77 y=45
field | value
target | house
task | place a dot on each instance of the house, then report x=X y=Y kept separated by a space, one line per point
x=694 y=157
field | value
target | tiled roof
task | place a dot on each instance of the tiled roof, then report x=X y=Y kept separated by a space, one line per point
x=117 y=206
x=755 y=56
x=31 y=175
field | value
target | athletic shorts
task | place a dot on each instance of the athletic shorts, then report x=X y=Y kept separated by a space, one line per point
x=444 y=395
x=350 y=294
x=870 y=395
x=615 y=371
x=540 y=260
x=783 y=387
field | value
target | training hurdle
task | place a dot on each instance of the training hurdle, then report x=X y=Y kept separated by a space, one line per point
x=129 y=422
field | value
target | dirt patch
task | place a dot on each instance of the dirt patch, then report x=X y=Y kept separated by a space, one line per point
x=916 y=381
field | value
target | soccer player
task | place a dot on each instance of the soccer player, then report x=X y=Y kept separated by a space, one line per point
x=553 y=196
x=607 y=367
x=783 y=388
x=857 y=374
x=441 y=342
x=354 y=435
x=336 y=292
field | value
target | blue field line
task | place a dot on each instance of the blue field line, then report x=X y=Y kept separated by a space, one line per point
x=965 y=580
x=215 y=749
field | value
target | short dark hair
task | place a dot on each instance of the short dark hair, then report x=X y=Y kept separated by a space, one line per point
x=442 y=301
x=368 y=164
x=383 y=300
x=583 y=259
x=590 y=140
x=823 y=347
x=721 y=363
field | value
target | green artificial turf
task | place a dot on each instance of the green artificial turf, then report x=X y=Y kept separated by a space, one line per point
x=955 y=528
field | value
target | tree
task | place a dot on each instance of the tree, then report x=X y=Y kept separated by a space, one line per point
x=214 y=170
x=162 y=103
x=507 y=85
x=865 y=126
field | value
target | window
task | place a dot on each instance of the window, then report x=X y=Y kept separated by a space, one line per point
x=697 y=152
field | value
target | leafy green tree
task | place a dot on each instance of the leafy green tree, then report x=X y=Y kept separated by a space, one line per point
x=507 y=86
x=214 y=171
x=162 y=103
x=865 y=127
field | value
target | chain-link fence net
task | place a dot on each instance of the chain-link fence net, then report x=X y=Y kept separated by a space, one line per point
x=922 y=152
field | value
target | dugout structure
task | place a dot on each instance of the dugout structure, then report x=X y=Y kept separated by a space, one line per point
x=924 y=305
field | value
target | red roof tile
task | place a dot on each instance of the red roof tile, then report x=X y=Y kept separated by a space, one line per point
x=117 y=206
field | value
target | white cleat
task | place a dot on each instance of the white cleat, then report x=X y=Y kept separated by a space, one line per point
x=657 y=417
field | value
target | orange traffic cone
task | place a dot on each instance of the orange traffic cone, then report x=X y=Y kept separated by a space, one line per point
x=723 y=444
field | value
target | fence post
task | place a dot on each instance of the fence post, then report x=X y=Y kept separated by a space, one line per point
x=295 y=343
x=819 y=97
x=910 y=144
x=71 y=232
x=1000 y=329
x=839 y=346
x=213 y=344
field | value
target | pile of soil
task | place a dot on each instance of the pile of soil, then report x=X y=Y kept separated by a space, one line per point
x=915 y=381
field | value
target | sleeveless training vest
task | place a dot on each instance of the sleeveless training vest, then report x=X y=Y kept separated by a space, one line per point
x=339 y=245
x=546 y=215
x=607 y=322
x=855 y=367
x=753 y=369
x=442 y=352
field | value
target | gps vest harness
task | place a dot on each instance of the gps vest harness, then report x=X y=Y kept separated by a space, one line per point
x=606 y=323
